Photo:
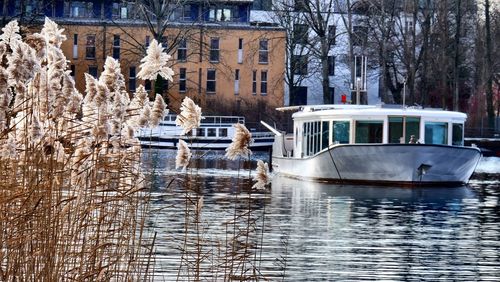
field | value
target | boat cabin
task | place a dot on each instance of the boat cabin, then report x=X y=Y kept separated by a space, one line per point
x=317 y=128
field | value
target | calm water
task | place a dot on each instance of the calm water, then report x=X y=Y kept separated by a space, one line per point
x=306 y=231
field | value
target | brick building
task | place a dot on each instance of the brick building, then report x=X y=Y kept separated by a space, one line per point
x=220 y=60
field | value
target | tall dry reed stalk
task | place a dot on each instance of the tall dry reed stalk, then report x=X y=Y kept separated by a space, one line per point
x=73 y=200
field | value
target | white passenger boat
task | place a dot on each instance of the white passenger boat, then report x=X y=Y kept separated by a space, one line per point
x=215 y=132
x=375 y=145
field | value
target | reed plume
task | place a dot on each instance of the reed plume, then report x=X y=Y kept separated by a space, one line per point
x=183 y=155
x=190 y=116
x=72 y=198
x=240 y=143
x=262 y=176
x=159 y=111
x=155 y=63
x=10 y=33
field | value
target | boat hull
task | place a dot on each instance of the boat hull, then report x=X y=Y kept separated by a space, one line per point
x=412 y=164
x=201 y=143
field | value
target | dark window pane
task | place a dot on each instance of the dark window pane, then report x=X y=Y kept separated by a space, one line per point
x=331 y=65
x=369 y=131
x=93 y=71
x=300 y=33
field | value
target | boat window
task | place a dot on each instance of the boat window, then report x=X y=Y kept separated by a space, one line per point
x=436 y=133
x=341 y=132
x=222 y=132
x=325 y=134
x=369 y=131
x=412 y=128
x=200 y=132
x=458 y=134
x=396 y=128
x=211 y=132
x=311 y=138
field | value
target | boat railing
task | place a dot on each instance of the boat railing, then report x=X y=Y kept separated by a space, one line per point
x=211 y=120
x=262 y=134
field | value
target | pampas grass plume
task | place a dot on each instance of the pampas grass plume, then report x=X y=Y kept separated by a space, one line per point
x=262 y=175
x=239 y=145
x=190 y=116
x=155 y=63
x=159 y=111
x=183 y=155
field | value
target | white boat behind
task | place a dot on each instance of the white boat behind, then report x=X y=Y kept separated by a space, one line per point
x=375 y=145
x=214 y=133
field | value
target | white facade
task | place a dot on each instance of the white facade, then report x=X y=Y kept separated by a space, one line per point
x=341 y=81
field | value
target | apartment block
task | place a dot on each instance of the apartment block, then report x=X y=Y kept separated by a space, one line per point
x=220 y=60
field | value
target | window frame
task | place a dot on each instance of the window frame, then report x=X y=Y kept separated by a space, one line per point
x=182 y=80
x=182 y=50
x=214 y=50
x=116 y=47
x=90 y=48
x=132 y=81
x=263 y=51
x=211 y=81
x=263 y=82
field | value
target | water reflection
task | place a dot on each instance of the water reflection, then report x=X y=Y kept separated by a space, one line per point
x=330 y=232
x=352 y=232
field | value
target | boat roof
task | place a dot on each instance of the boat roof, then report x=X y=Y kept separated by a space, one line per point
x=374 y=111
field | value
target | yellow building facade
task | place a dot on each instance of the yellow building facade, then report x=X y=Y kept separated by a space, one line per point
x=226 y=69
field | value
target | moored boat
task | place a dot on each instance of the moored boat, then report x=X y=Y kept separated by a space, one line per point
x=215 y=132
x=375 y=145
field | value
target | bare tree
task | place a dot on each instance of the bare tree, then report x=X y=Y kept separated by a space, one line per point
x=297 y=45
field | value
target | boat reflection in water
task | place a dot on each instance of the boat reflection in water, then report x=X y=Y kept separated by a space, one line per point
x=359 y=192
x=339 y=232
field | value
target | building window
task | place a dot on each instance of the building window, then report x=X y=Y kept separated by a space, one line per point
x=116 y=46
x=214 y=49
x=146 y=43
x=331 y=65
x=93 y=71
x=90 y=47
x=223 y=13
x=147 y=85
x=360 y=34
x=121 y=10
x=182 y=80
x=263 y=82
x=237 y=82
x=182 y=50
x=164 y=42
x=75 y=46
x=332 y=29
x=300 y=33
x=211 y=81
x=331 y=91
x=79 y=9
x=240 y=50
x=263 y=51
x=73 y=71
x=409 y=25
x=131 y=79
x=181 y=13
x=254 y=82
x=32 y=7
x=299 y=64
x=300 y=5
